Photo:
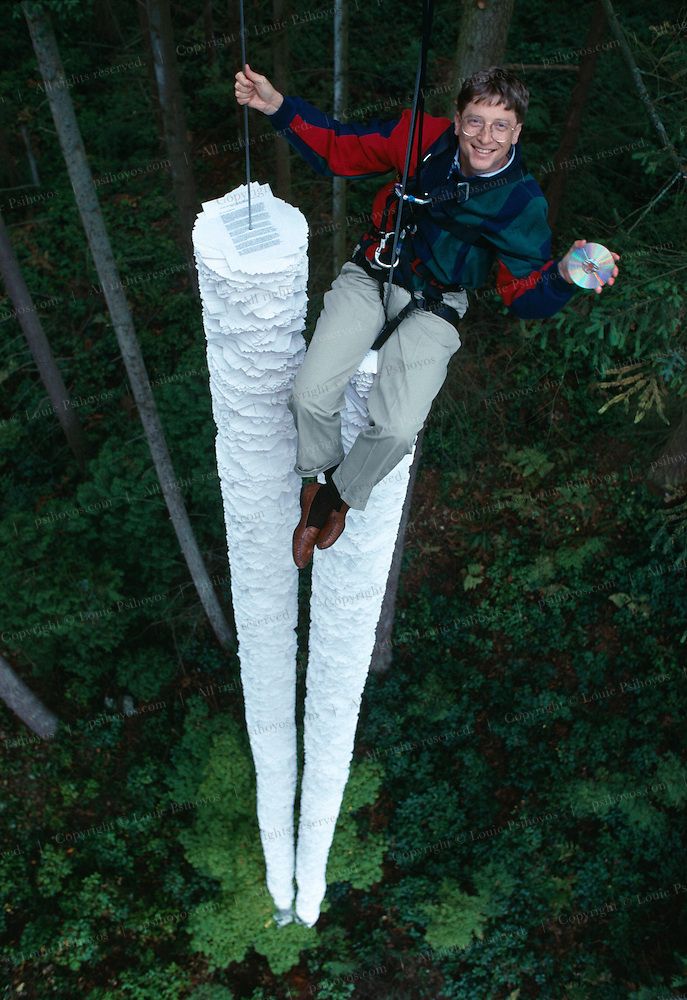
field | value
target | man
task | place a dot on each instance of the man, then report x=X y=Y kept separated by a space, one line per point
x=482 y=205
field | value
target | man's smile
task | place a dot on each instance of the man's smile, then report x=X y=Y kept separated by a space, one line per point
x=482 y=151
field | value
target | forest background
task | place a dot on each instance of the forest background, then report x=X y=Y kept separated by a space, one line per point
x=514 y=823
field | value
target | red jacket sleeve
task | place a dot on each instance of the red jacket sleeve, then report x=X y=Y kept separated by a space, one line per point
x=348 y=149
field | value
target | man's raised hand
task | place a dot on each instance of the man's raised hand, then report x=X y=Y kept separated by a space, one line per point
x=565 y=273
x=257 y=92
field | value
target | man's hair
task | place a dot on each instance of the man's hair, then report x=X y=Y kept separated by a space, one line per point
x=495 y=82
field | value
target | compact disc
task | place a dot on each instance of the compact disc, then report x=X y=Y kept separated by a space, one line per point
x=591 y=265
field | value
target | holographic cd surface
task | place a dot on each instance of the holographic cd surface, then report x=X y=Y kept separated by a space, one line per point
x=591 y=265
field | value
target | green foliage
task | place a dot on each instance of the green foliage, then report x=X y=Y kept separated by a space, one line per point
x=208 y=991
x=529 y=462
x=54 y=867
x=146 y=672
x=651 y=391
x=165 y=983
x=214 y=768
x=352 y=860
x=570 y=776
x=473 y=576
x=456 y=916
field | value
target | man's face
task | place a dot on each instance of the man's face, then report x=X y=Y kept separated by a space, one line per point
x=481 y=153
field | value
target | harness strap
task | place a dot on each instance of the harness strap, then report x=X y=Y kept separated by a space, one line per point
x=434 y=305
x=391 y=324
x=439 y=308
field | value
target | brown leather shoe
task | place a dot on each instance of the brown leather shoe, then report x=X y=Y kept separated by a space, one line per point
x=333 y=526
x=304 y=536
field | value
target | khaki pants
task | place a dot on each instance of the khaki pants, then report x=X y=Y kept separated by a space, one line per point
x=411 y=368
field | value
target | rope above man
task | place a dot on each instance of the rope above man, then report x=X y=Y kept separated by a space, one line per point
x=478 y=204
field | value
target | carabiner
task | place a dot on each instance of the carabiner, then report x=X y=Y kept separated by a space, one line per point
x=382 y=245
x=411 y=197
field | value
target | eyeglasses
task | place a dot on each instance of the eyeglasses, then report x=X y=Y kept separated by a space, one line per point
x=473 y=125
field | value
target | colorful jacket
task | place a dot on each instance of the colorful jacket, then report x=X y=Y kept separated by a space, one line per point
x=509 y=209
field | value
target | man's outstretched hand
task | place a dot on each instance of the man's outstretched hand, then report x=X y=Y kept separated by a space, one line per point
x=565 y=273
x=257 y=92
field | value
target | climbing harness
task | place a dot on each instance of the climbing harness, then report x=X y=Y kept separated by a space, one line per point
x=417 y=301
x=430 y=300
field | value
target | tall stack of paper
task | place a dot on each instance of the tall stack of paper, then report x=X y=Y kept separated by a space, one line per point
x=253 y=288
x=348 y=586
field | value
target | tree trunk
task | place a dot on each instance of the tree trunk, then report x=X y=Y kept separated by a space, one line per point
x=10 y=176
x=481 y=37
x=209 y=31
x=556 y=183
x=33 y=166
x=108 y=27
x=39 y=346
x=340 y=241
x=150 y=67
x=381 y=655
x=24 y=703
x=50 y=65
x=670 y=468
x=280 y=61
x=482 y=42
x=174 y=123
x=640 y=86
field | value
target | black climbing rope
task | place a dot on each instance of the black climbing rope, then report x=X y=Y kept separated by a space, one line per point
x=418 y=111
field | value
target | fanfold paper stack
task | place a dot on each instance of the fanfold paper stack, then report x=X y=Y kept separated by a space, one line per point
x=253 y=289
x=348 y=586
